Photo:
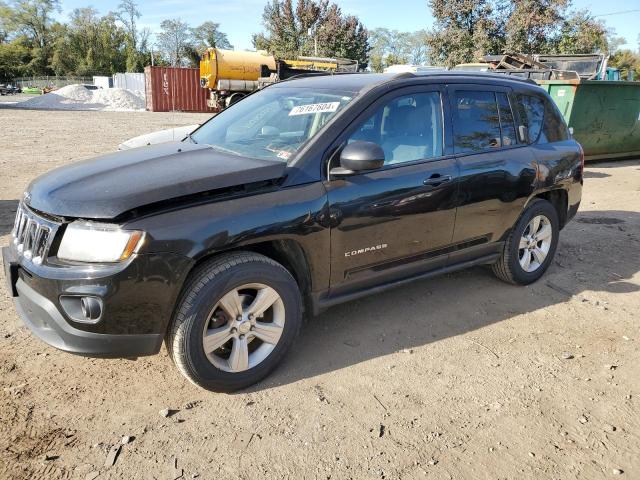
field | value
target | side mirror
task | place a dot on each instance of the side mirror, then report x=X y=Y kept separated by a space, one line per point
x=359 y=156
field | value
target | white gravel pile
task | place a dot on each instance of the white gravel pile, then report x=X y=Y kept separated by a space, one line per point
x=118 y=99
x=77 y=97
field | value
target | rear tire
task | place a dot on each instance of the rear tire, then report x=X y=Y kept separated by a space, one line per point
x=234 y=98
x=531 y=245
x=215 y=340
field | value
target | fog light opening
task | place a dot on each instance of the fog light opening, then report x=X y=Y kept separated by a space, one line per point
x=82 y=308
x=91 y=308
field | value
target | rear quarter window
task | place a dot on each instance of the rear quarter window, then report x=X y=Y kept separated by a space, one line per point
x=542 y=119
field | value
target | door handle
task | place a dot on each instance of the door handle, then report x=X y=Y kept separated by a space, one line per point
x=436 y=179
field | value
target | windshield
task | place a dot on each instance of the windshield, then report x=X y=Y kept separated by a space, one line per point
x=273 y=124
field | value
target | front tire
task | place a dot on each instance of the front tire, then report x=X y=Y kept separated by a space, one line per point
x=531 y=245
x=237 y=317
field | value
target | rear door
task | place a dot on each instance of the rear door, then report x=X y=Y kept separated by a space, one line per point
x=399 y=219
x=497 y=171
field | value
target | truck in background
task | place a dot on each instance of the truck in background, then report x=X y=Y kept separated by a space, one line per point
x=230 y=75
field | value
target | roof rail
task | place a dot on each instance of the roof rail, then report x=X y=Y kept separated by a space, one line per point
x=407 y=75
x=459 y=73
x=401 y=75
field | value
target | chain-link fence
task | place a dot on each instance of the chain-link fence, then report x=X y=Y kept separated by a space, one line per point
x=50 y=81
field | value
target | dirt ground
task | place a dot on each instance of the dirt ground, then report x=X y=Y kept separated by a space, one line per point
x=459 y=377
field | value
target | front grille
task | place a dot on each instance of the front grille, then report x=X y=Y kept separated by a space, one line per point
x=32 y=234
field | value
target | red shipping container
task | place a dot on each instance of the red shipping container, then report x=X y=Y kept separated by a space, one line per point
x=170 y=89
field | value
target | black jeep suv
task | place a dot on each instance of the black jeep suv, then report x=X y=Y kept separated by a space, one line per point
x=308 y=193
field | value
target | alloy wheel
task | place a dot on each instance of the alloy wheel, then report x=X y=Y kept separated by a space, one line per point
x=535 y=243
x=244 y=327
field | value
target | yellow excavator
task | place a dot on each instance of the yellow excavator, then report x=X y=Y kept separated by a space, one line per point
x=230 y=75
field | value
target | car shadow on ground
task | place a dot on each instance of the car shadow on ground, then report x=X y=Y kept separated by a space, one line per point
x=431 y=310
x=591 y=174
x=625 y=162
x=7 y=215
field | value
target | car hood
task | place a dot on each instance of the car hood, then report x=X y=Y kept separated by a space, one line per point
x=108 y=186
x=161 y=136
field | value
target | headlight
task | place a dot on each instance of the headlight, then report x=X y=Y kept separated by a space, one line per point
x=93 y=242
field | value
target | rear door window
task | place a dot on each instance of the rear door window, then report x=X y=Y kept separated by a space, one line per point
x=476 y=121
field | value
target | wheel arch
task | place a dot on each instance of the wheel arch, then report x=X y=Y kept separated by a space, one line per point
x=559 y=198
x=233 y=98
x=289 y=253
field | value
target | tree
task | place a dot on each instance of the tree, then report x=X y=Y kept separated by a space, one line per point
x=391 y=47
x=128 y=14
x=260 y=41
x=5 y=22
x=340 y=36
x=581 y=33
x=144 y=48
x=289 y=28
x=205 y=35
x=417 y=47
x=311 y=27
x=532 y=23
x=32 y=21
x=173 y=41
x=33 y=43
x=208 y=35
x=90 y=45
x=464 y=30
x=14 y=60
x=34 y=18
x=387 y=48
x=627 y=61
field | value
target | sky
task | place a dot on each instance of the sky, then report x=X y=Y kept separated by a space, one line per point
x=241 y=18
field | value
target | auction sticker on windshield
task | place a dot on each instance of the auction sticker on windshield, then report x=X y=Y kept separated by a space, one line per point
x=314 y=108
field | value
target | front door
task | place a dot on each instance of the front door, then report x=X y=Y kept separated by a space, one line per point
x=397 y=220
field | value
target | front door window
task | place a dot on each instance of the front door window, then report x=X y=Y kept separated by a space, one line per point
x=408 y=128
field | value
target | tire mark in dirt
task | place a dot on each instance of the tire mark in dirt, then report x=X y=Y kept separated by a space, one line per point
x=24 y=444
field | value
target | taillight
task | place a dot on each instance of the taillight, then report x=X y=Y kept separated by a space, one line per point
x=581 y=158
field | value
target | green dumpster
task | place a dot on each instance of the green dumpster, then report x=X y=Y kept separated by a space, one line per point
x=605 y=116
